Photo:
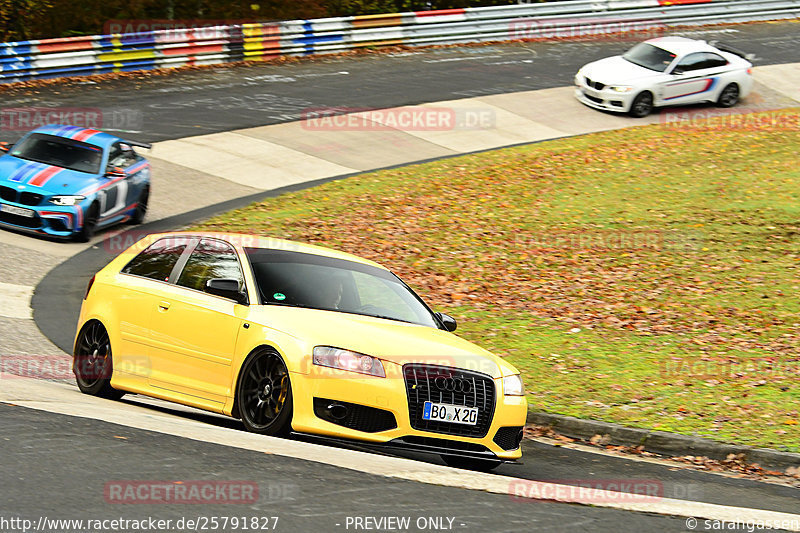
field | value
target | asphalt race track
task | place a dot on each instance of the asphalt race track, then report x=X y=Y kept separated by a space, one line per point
x=304 y=498
x=212 y=100
x=75 y=458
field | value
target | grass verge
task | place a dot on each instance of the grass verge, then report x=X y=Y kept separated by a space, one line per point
x=646 y=276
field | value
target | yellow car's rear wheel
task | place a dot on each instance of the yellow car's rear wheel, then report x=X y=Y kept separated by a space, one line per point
x=264 y=395
x=92 y=364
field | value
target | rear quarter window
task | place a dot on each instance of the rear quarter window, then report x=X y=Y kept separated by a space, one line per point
x=157 y=260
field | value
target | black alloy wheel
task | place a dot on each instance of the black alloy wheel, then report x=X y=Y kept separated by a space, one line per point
x=92 y=363
x=264 y=395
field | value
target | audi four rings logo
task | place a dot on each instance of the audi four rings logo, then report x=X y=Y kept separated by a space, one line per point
x=452 y=384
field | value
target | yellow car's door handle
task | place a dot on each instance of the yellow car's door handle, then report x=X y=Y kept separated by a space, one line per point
x=163 y=306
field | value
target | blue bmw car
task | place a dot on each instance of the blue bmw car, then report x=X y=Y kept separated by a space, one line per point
x=67 y=182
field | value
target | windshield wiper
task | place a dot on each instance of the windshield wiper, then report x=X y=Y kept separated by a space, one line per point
x=380 y=316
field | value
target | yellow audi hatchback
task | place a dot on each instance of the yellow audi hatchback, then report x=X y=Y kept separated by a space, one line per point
x=290 y=337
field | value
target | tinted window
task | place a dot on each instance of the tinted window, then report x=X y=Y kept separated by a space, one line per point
x=692 y=62
x=714 y=60
x=211 y=259
x=60 y=152
x=157 y=261
x=701 y=60
x=305 y=280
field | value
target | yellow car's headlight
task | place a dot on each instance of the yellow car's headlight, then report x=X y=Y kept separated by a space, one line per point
x=512 y=386
x=348 y=360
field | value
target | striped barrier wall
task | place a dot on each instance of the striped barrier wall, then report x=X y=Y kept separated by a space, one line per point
x=82 y=56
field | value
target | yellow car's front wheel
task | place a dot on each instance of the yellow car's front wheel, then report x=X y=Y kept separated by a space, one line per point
x=264 y=395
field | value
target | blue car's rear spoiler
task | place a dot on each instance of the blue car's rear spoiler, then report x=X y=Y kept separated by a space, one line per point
x=140 y=145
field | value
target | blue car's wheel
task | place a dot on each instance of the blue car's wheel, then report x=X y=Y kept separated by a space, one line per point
x=86 y=233
x=141 y=207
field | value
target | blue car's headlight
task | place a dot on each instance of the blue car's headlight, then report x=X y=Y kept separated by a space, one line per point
x=67 y=199
x=347 y=360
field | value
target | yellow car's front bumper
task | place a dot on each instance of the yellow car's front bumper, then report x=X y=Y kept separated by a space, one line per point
x=389 y=394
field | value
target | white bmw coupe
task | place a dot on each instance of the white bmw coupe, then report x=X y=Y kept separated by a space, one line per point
x=665 y=71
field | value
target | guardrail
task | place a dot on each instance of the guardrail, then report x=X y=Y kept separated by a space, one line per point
x=82 y=56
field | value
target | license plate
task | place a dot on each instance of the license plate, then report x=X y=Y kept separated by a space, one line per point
x=590 y=92
x=443 y=412
x=14 y=210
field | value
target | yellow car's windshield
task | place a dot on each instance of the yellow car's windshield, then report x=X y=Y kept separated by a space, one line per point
x=311 y=281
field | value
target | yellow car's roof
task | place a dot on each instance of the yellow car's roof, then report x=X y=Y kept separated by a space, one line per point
x=260 y=241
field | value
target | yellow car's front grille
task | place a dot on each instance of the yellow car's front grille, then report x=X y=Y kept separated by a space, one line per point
x=453 y=386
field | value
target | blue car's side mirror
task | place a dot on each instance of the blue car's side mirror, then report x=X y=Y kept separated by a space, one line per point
x=115 y=172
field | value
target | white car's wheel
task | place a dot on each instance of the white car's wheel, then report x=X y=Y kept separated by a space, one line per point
x=642 y=105
x=729 y=96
